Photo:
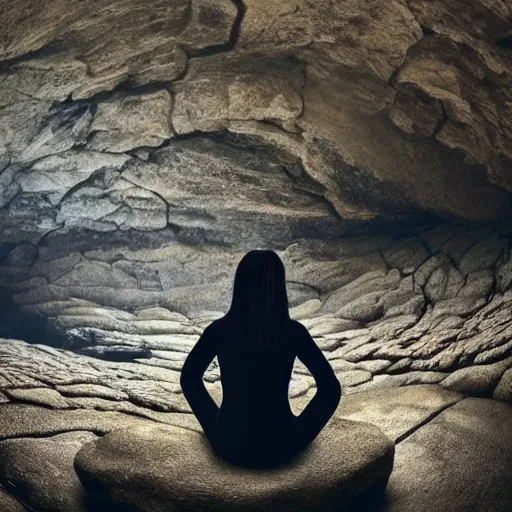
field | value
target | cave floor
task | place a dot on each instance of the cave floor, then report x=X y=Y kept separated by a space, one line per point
x=453 y=448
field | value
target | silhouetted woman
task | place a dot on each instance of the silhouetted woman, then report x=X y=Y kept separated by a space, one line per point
x=256 y=343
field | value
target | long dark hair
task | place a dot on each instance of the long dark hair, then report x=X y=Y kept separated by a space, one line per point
x=259 y=306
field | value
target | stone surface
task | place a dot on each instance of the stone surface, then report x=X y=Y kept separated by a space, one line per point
x=41 y=472
x=23 y=420
x=102 y=397
x=400 y=411
x=461 y=460
x=477 y=380
x=149 y=158
x=503 y=390
x=363 y=298
x=139 y=469
x=8 y=503
x=144 y=152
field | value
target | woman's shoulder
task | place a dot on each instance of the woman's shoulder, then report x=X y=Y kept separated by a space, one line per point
x=225 y=322
x=297 y=326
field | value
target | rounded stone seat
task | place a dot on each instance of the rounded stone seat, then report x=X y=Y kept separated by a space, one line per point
x=166 y=468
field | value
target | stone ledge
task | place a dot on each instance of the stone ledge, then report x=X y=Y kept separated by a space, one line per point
x=159 y=468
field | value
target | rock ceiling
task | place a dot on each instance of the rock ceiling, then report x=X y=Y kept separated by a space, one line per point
x=384 y=110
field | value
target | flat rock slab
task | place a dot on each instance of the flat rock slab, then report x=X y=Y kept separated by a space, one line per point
x=165 y=468
x=397 y=411
x=460 y=461
x=24 y=420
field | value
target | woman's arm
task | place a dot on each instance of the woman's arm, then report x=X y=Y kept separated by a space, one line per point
x=191 y=380
x=322 y=406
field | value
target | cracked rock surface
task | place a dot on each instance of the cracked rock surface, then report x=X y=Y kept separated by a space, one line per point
x=429 y=306
x=60 y=408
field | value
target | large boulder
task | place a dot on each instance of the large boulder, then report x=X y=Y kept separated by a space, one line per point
x=461 y=460
x=165 y=468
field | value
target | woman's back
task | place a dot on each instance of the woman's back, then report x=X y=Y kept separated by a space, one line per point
x=255 y=425
x=255 y=382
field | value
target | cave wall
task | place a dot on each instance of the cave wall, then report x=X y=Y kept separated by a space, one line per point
x=433 y=299
x=388 y=109
x=144 y=151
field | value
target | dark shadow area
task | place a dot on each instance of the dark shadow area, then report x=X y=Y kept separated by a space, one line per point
x=118 y=354
x=505 y=43
x=21 y=325
x=372 y=499
x=22 y=495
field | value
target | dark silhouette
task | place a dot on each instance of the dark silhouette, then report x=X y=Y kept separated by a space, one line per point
x=256 y=343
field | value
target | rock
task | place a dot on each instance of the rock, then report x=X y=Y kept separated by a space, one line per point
x=401 y=298
x=365 y=309
x=458 y=306
x=352 y=377
x=503 y=390
x=478 y=284
x=248 y=90
x=41 y=471
x=482 y=256
x=124 y=122
x=115 y=352
x=374 y=366
x=305 y=309
x=92 y=390
x=129 y=466
x=479 y=380
x=371 y=282
x=454 y=461
x=299 y=386
x=158 y=313
x=8 y=503
x=400 y=411
x=342 y=366
x=407 y=378
x=39 y=396
x=322 y=325
x=68 y=321
x=19 y=420
x=504 y=272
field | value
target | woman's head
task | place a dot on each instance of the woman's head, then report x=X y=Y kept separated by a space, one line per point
x=260 y=301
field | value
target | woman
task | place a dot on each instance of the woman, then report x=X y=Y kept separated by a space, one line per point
x=256 y=343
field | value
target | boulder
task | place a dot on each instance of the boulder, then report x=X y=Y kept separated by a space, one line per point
x=478 y=380
x=397 y=411
x=7 y=502
x=164 y=468
x=503 y=390
x=41 y=471
x=459 y=461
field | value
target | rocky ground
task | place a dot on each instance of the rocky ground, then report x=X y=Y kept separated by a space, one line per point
x=54 y=401
x=418 y=328
x=387 y=310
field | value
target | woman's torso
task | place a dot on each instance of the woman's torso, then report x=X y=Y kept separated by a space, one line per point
x=255 y=407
